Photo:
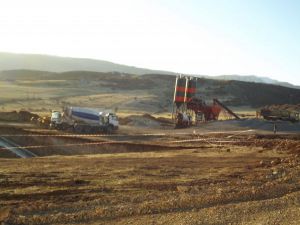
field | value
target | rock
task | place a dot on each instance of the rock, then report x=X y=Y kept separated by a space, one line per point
x=278 y=173
x=275 y=161
x=262 y=163
x=183 y=189
x=4 y=214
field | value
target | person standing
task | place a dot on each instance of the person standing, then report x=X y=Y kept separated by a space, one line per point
x=275 y=128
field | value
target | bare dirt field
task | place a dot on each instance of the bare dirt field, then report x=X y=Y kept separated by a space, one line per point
x=152 y=176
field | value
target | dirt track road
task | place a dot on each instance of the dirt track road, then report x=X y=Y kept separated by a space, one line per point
x=215 y=178
x=15 y=149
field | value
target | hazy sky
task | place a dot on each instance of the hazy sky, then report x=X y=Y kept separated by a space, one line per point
x=213 y=37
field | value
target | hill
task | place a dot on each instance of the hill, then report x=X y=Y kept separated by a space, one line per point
x=151 y=93
x=253 y=78
x=12 y=61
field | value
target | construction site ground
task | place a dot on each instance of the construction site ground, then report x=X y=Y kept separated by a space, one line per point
x=224 y=172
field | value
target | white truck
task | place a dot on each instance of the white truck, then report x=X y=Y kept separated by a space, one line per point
x=84 y=120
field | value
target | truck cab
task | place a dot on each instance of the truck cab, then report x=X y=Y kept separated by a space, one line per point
x=113 y=120
x=295 y=116
x=109 y=119
x=56 y=118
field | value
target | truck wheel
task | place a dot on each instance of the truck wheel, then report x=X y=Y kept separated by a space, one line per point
x=109 y=129
x=84 y=130
x=88 y=130
x=78 y=129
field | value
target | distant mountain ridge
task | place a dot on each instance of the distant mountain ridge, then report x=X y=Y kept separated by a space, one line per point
x=14 y=61
x=253 y=78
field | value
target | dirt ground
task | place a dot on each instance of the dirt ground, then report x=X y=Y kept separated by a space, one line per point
x=151 y=177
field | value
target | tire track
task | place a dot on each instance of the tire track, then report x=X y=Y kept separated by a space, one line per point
x=15 y=149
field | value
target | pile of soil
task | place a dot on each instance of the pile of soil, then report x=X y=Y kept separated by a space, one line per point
x=284 y=107
x=14 y=116
x=145 y=120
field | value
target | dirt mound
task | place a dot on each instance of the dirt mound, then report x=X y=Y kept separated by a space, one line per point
x=14 y=116
x=145 y=120
x=284 y=107
x=286 y=143
x=142 y=121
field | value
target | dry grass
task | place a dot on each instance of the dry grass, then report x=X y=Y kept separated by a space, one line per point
x=44 y=95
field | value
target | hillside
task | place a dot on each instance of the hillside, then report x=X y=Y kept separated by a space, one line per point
x=42 y=91
x=11 y=61
x=253 y=78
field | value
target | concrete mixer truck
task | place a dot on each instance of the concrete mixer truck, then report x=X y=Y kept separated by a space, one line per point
x=84 y=120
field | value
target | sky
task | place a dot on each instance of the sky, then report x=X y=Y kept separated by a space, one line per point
x=203 y=37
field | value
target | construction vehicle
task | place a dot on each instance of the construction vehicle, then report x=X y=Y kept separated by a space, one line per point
x=183 y=120
x=84 y=120
x=277 y=114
